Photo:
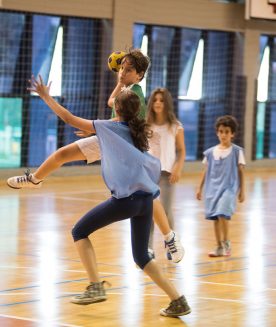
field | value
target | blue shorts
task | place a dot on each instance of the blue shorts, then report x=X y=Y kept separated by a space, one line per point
x=218 y=216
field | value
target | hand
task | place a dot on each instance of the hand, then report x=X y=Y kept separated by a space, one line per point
x=39 y=87
x=80 y=133
x=198 y=195
x=120 y=78
x=241 y=196
x=174 y=177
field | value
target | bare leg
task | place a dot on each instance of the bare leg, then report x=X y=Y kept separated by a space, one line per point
x=63 y=155
x=217 y=230
x=88 y=259
x=178 y=305
x=225 y=228
x=156 y=274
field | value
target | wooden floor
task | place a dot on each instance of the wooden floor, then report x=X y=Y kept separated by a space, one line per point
x=40 y=269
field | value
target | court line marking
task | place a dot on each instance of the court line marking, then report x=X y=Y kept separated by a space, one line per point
x=100 y=272
x=171 y=267
x=122 y=287
x=65 y=270
x=111 y=274
x=56 y=283
x=231 y=271
x=146 y=294
x=37 y=320
x=52 y=192
x=74 y=198
x=231 y=300
x=236 y=285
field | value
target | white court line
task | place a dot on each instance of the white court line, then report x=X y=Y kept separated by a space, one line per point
x=73 y=198
x=235 y=285
x=38 y=293
x=55 y=194
x=145 y=294
x=147 y=277
x=152 y=294
x=223 y=284
x=66 y=270
x=17 y=267
x=235 y=301
x=100 y=272
x=72 y=293
x=200 y=297
x=16 y=294
x=36 y=320
x=67 y=192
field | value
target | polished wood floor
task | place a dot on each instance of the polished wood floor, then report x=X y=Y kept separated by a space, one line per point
x=40 y=269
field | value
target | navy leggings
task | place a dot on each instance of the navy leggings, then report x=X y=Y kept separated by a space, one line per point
x=136 y=207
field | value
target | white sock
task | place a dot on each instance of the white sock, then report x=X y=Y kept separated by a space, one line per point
x=169 y=236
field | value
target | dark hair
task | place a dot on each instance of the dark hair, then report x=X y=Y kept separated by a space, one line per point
x=127 y=105
x=227 y=121
x=168 y=106
x=137 y=60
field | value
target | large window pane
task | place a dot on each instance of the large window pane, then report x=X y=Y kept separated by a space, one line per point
x=43 y=132
x=10 y=132
x=10 y=35
x=188 y=115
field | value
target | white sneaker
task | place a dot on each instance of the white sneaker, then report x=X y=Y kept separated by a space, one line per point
x=218 y=252
x=151 y=253
x=175 y=249
x=227 y=248
x=25 y=181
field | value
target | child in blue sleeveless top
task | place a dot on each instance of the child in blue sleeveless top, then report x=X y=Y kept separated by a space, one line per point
x=224 y=182
x=124 y=145
x=133 y=69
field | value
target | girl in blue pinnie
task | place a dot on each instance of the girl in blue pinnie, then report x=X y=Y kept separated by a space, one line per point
x=132 y=176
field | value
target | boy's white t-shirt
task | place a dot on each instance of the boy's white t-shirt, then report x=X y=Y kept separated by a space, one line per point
x=219 y=153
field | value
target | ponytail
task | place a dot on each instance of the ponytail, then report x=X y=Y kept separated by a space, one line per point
x=140 y=133
x=127 y=106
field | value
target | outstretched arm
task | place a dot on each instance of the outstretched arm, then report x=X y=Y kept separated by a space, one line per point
x=42 y=90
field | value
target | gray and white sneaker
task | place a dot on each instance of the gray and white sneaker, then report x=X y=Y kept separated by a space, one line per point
x=94 y=293
x=227 y=248
x=218 y=252
x=151 y=253
x=24 y=181
x=176 y=308
x=175 y=250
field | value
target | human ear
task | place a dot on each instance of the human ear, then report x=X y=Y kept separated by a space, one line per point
x=141 y=75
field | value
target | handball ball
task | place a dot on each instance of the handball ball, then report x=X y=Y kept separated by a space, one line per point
x=115 y=59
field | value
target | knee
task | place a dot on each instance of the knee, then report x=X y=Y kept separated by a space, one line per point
x=78 y=234
x=61 y=155
x=142 y=260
